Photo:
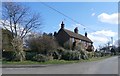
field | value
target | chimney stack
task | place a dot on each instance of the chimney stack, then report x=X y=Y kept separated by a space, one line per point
x=85 y=34
x=55 y=33
x=62 y=25
x=76 y=30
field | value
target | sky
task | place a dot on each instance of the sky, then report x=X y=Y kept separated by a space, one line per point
x=100 y=19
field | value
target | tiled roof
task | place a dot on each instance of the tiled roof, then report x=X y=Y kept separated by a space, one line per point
x=78 y=36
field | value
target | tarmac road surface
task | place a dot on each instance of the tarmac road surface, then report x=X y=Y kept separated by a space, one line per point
x=105 y=66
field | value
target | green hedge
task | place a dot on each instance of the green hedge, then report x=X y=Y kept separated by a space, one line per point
x=40 y=58
x=71 y=55
x=8 y=55
x=84 y=55
x=56 y=55
x=11 y=56
x=30 y=54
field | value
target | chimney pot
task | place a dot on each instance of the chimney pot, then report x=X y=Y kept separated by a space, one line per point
x=86 y=34
x=62 y=25
x=76 y=30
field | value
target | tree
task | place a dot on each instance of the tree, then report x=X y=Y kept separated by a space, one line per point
x=18 y=19
x=42 y=44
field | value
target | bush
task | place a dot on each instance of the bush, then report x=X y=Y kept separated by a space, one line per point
x=71 y=55
x=40 y=58
x=76 y=55
x=12 y=55
x=60 y=50
x=90 y=54
x=42 y=44
x=49 y=57
x=9 y=55
x=30 y=55
x=97 y=54
x=17 y=57
x=84 y=55
x=66 y=55
x=102 y=54
x=56 y=55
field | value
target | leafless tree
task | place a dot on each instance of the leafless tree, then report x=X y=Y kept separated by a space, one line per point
x=47 y=44
x=20 y=21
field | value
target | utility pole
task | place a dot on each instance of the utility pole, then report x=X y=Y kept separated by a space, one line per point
x=112 y=41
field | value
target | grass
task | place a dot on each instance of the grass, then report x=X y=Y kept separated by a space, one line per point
x=52 y=61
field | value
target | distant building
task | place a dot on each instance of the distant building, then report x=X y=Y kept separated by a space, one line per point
x=71 y=39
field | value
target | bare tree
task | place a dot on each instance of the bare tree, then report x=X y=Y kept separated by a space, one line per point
x=18 y=19
x=47 y=44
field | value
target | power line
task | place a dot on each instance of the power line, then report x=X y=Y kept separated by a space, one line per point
x=67 y=16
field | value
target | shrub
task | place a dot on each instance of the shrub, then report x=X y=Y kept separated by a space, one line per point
x=12 y=55
x=84 y=55
x=60 y=50
x=97 y=54
x=20 y=56
x=40 y=58
x=42 y=44
x=90 y=54
x=76 y=55
x=80 y=47
x=49 y=57
x=102 y=54
x=30 y=55
x=56 y=55
x=66 y=55
x=71 y=55
x=9 y=55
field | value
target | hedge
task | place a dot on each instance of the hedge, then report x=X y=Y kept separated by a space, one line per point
x=40 y=58
x=8 y=55
x=71 y=55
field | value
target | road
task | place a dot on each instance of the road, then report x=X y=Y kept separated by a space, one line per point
x=105 y=66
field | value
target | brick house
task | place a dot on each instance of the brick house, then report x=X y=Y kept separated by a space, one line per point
x=72 y=39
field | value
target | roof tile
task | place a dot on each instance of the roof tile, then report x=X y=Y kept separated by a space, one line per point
x=78 y=36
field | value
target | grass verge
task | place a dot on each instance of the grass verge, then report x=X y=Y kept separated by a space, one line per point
x=52 y=61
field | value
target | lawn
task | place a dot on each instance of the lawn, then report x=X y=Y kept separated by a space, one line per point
x=53 y=61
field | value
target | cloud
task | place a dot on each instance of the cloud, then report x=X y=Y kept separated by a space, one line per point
x=98 y=39
x=93 y=14
x=102 y=36
x=108 y=18
x=102 y=33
